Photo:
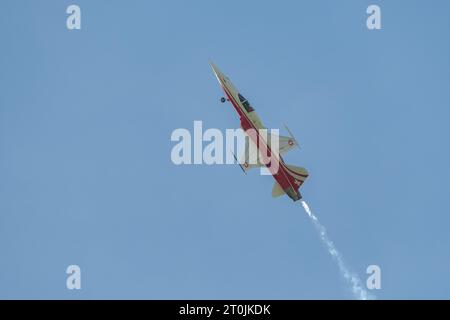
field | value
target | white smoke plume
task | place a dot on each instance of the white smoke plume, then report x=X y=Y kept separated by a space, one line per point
x=355 y=283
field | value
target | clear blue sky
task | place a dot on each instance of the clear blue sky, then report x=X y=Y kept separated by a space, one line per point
x=85 y=170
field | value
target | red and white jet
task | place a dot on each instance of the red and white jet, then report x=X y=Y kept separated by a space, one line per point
x=288 y=178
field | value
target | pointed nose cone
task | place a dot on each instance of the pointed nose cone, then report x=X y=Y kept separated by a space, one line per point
x=217 y=72
x=214 y=67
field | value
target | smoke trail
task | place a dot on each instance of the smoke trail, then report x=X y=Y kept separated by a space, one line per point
x=357 y=289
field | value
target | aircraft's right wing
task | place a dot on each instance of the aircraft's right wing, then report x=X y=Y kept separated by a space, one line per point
x=277 y=191
x=285 y=144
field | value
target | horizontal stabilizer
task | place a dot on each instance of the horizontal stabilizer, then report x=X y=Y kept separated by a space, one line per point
x=300 y=174
x=250 y=158
x=276 y=190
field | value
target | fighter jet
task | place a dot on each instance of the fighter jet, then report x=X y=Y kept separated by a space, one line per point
x=288 y=178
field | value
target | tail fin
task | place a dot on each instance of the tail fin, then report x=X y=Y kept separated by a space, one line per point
x=300 y=174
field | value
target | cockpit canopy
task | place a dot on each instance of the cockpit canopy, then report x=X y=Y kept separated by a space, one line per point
x=245 y=103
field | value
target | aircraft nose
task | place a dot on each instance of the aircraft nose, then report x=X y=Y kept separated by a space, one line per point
x=213 y=66
x=216 y=70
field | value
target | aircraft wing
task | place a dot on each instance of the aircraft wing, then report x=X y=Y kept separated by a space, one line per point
x=250 y=157
x=285 y=144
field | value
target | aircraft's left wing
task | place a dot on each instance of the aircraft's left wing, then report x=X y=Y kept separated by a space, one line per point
x=250 y=158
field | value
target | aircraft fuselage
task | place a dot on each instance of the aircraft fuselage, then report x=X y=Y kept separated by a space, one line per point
x=250 y=120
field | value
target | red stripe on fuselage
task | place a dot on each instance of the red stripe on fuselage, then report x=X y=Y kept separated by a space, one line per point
x=283 y=180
